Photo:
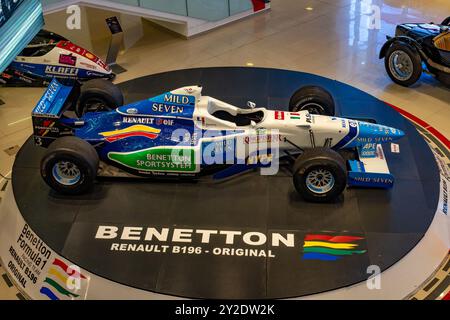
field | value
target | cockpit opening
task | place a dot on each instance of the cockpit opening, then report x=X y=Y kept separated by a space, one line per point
x=241 y=119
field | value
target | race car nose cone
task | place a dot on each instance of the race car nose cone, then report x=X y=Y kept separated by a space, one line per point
x=374 y=133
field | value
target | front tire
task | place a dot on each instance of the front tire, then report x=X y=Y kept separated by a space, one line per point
x=98 y=95
x=70 y=166
x=320 y=175
x=403 y=64
x=314 y=99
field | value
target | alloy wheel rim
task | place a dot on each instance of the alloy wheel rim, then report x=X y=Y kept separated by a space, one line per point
x=66 y=173
x=320 y=181
x=401 y=65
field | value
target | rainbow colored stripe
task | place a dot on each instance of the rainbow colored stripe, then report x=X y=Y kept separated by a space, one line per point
x=57 y=279
x=330 y=248
x=133 y=131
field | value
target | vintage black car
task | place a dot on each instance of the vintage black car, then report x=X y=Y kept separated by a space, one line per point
x=417 y=48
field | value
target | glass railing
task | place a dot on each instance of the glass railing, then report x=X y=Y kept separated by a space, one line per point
x=211 y=10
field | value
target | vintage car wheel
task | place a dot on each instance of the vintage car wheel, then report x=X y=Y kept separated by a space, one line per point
x=320 y=175
x=98 y=95
x=403 y=64
x=314 y=99
x=70 y=166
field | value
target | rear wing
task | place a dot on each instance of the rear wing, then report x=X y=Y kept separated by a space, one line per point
x=57 y=99
x=53 y=102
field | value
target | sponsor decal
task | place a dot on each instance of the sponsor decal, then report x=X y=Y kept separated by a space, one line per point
x=260 y=159
x=165 y=122
x=176 y=99
x=164 y=108
x=133 y=131
x=395 y=148
x=157 y=159
x=63 y=282
x=89 y=55
x=46 y=127
x=137 y=120
x=330 y=248
x=88 y=65
x=146 y=120
x=68 y=60
x=6 y=76
x=94 y=74
x=294 y=116
x=444 y=197
x=132 y=111
x=62 y=71
x=279 y=115
x=202 y=120
x=262 y=138
x=67 y=45
x=48 y=97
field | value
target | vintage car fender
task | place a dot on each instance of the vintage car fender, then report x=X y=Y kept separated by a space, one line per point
x=406 y=40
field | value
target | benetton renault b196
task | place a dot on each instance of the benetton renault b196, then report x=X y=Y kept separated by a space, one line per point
x=182 y=134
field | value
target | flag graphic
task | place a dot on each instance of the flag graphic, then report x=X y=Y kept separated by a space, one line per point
x=133 y=131
x=330 y=248
x=55 y=285
x=279 y=115
x=295 y=116
x=202 y=120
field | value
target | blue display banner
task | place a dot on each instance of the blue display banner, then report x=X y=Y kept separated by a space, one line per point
x=20 y=21
x=7 y=8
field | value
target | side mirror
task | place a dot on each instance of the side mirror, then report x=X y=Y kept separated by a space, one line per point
x=251 y=104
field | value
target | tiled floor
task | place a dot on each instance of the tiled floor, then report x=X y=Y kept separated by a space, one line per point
x=334 y=39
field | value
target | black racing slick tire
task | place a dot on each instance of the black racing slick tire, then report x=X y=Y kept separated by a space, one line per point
x=70 y=166
x=320 y=175
x=98 y=95
x=403 y=64
x=314 y=99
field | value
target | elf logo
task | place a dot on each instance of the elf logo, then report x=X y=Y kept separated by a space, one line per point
x=63 y=71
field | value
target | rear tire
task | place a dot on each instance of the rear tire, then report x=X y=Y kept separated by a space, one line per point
x=98 y=95
x=70 y=166
x=320 y=175
x=314 y=99
x=403 y=64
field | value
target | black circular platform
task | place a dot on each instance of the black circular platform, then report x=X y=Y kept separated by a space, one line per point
x=389 y=223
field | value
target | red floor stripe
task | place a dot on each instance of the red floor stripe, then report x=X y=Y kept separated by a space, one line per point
x=447 y=297
x=423 y=124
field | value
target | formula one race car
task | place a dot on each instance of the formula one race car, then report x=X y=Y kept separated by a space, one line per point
x=415 y=48
x=51 y=56
x=183 y=134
